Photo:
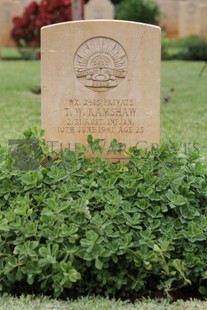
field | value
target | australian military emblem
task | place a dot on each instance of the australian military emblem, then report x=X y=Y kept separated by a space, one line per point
x=100 y=63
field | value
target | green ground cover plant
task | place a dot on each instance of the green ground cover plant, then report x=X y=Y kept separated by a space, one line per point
x=76 y=226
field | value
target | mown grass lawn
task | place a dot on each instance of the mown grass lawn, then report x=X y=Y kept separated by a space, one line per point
x=183 y=119
x=184 y=115
x=20 y=108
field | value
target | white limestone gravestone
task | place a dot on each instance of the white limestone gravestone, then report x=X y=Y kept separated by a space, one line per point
x=101 y=78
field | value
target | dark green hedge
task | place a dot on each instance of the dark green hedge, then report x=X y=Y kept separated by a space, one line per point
x=195 y=49
x=144 y=11
x=189 y=48
x=78 y=226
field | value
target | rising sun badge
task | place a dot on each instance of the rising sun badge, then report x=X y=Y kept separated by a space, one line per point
x=100 y=63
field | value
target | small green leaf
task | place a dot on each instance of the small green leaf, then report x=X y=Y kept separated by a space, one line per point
x=177 y=200
x=30 y=279
x=74 y=275
x=98 y=264
x=203 y=290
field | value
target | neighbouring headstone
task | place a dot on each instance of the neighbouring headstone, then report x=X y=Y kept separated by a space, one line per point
x=203 y=22
x=189 y=18
x=169 y=16
x=9 y=9
x=180 y=18
x=77 y=9
x=101 y=78
x=99 y=9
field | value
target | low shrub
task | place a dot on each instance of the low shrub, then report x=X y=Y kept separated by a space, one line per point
x=26 y=28
x=74 y=225
x=165 y=55
x=188 y=48
x=195 y=49
x=145 y=11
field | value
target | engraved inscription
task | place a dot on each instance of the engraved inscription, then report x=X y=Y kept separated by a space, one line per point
x=100 y=64
x=101 y=116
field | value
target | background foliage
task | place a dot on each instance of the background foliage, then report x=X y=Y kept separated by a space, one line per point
x=26 y=28
x=188 y=48
x=145 y=11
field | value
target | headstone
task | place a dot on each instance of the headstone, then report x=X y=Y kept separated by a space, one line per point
x=101 y=78
x=77 y=9
x=169 y=16
x=99 y=9
x=203 y=22
x=189 y=18
x=9 y=9
x=180 y=18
